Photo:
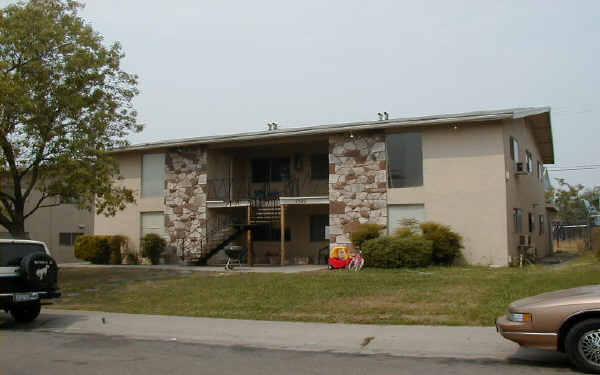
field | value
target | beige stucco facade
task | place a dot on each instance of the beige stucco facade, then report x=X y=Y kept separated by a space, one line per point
x=469 y=183
x=48 y=223
x=128 y=221
x=463 y=187
x=525 y=191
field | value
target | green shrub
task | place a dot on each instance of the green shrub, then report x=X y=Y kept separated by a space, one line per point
x=92 y=248
x=446 y=243
x=414 y=251
x=132 y=258
x=404 y=232
x=153 y=246
x=365 y=232
x=118 y=245
x=394 y=252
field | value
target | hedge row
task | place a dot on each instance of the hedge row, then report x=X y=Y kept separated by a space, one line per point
x=100 y=249
x=414 y=245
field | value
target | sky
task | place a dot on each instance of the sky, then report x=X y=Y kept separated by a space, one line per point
x=218 y=67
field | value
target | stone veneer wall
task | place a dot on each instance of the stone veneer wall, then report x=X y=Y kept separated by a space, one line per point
x=185 y=195
x=357 y=184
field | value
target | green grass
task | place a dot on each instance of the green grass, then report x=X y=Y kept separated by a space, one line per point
x=433 y=296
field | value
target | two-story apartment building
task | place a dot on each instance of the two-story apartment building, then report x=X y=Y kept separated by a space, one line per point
x=287 y=193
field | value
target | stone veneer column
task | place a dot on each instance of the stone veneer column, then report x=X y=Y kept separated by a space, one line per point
x=357 y=184
x=185 y=195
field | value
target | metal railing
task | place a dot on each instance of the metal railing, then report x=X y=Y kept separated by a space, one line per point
x=240 y=189
x=198 y=243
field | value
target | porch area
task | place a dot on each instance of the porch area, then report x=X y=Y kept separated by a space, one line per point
x=284 y=232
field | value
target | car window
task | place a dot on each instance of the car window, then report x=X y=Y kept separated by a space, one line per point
x=12 y=253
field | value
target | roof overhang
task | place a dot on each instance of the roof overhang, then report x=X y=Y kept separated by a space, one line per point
x=541 y=127
x=540 y=120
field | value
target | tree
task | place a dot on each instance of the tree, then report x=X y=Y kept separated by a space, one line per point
x=64 y=103
x=569 y=199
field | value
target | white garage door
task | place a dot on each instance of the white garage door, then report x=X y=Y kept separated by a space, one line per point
x=399 y=212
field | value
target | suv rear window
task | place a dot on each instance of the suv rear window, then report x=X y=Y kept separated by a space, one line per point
x=12 y=253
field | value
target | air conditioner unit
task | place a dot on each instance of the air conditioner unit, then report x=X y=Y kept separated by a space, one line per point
x=520 y=168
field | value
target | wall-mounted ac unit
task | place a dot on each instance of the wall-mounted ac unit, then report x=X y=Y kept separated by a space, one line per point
x=520 y=169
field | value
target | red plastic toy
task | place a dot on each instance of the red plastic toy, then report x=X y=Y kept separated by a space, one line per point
x=339 y=257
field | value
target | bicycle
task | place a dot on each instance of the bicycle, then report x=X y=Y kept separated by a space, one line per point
x=357 y=262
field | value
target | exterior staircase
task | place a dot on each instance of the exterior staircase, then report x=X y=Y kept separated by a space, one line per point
x=265 y=215
x=199 y=252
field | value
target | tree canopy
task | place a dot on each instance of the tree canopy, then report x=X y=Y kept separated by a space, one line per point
x=65 y=103
x=569 y=199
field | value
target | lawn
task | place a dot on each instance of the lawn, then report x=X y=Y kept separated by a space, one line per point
x=466 y=295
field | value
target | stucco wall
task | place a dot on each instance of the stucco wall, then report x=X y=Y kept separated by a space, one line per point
x=464 y=187
x=127 y=222
x=524 y=191
x=47 y=223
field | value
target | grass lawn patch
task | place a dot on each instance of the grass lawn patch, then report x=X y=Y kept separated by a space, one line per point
x=466 y=295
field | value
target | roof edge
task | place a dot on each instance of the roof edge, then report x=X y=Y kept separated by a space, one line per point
x=341 y=127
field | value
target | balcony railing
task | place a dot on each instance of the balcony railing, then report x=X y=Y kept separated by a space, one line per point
x=241 y=189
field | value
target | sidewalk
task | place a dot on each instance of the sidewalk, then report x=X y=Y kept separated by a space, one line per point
x=406 y=341
x=173 y=267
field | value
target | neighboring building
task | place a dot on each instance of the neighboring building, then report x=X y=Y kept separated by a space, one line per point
x=480 y=172
x=58 y=226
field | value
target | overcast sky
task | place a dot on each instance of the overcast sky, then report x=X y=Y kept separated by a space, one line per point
x=215 y=67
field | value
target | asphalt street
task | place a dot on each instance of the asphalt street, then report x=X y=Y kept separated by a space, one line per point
x=41 y=348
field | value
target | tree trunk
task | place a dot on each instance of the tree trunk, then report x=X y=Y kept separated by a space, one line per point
x=17 y=229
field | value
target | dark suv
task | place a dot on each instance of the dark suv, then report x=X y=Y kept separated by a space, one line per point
x=28 y=274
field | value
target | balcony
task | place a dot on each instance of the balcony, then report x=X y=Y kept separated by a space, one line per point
x=231 y=190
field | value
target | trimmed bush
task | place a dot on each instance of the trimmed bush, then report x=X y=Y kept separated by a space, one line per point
x=365 y=232
x=393 y=252
x=446 y=243
x=118 y=245
x=95 y=249
x=132 y=258
x=153 y=246
x=414 y=251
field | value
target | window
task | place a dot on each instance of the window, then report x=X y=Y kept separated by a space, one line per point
x=153 y=222
x=317 y=227
x=12 y=253
x=540 y=171
x=153 y=175
x=319 y=166
x=542 y=229
x=518 y=220
x=67 y=239
x=514 y=150
x=398 y=212
x=531 y=220
x=529 y=162
x=269 y=233
x=264 y=170
x=405 y=159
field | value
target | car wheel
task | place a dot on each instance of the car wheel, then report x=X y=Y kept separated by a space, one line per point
x=329 y=267
x=583 y=345
x=26 y=313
